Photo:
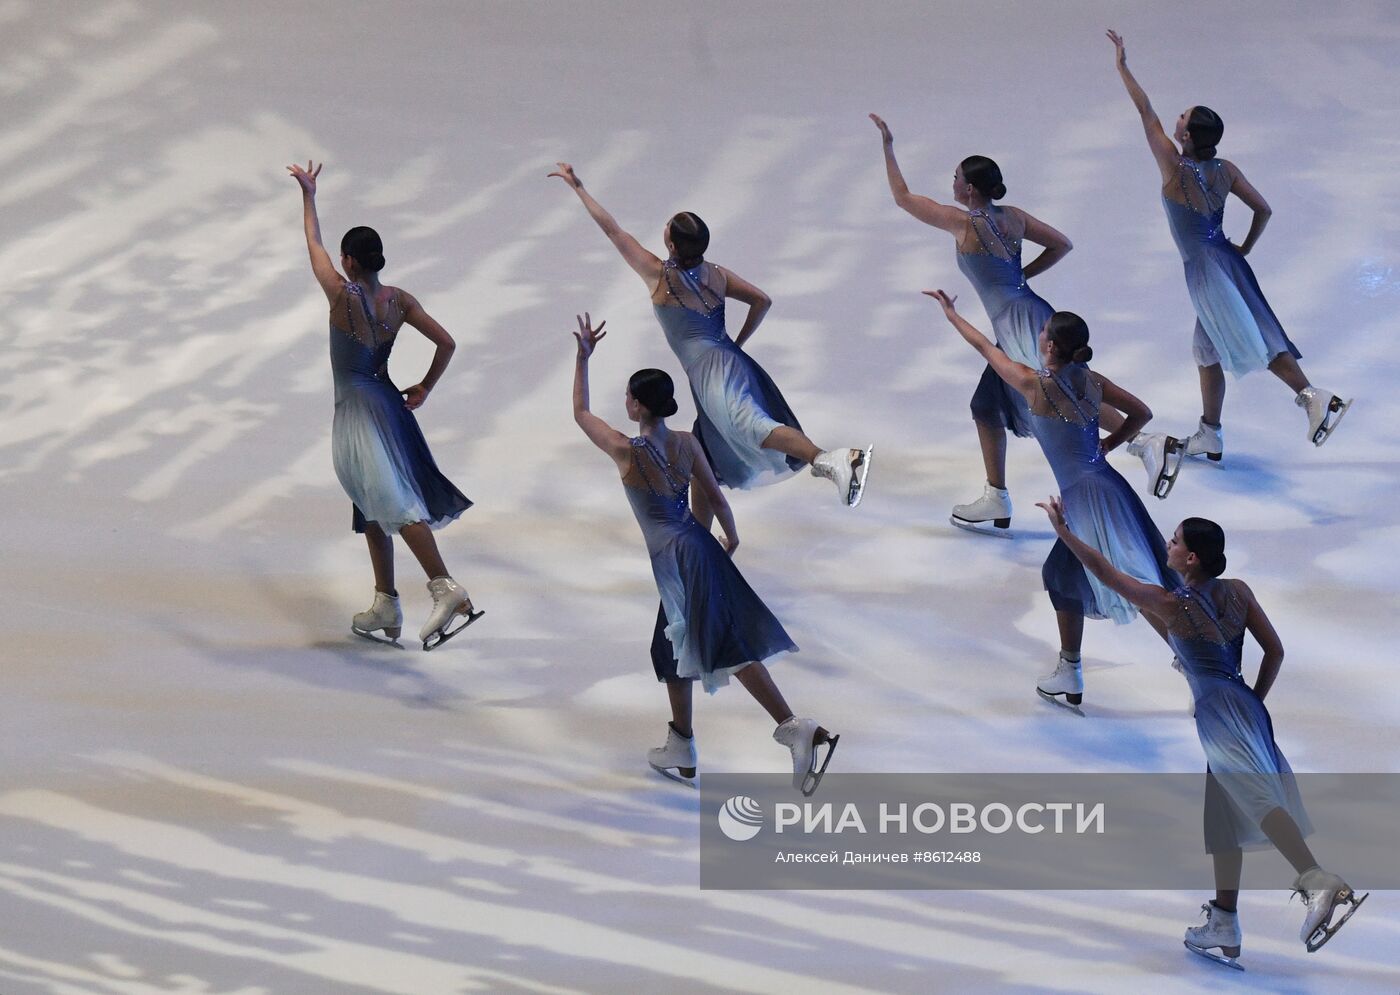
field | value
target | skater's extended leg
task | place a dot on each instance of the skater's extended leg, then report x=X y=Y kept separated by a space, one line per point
x=679 y=691
x=791 y=442
x=1286 y=368
x=759 y=683
x=1212 y=393
x=992 y=439
x=1228 y=865
x=419 y=538
x=381 y=557
x=1283 y=833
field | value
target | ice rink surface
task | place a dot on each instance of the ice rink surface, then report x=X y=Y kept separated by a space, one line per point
x=209 y=786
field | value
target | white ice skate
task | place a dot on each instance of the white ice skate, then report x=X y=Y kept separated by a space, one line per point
x=449 y=601
x=1066 y=679
x=1218 y=939
x=804 y=737
x=677 y=759
x=384 y=616
x=1208 y=441
x=848 y=469
x=1324 y=410
x=989 y=515
x=1322 y=893
x=1162 y=456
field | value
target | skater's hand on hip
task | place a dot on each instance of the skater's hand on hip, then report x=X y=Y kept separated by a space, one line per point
x=730 y=545
x=307 y=176
x=1240 y=249
x=884 y=129
x=948 y=303
x=1120 y=52
x=414 y=396
x=588 y=336
x=1055 y=511
x=566 y=173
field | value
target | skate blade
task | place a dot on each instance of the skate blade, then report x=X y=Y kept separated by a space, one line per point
x=982 y=528
x=1212 y=954
x=381 y=640
x=1054 y=699
x=1326 y=931
x=1172 y=459
x=1329 y=425
x=436 y=639
x=861 y=472
x=813 y=778
x=671 y=775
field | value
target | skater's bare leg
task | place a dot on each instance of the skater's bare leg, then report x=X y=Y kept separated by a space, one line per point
x=1212 y=393
x=679 y=691
x=420 y=540
x=1286 y=368
x=700 y=506
x=1227 y=879
x=791 y=442
x=759 y=683
x=992 y=438
x=1071 y=631
x=381 y=558
x=1283 y=833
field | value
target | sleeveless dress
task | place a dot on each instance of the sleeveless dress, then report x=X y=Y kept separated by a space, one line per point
x=1101 y=508
x=1017 y=314
x=715 y=623
x=1235 y=326
x=380 y=455
x=1249 y=775
x=737 y=404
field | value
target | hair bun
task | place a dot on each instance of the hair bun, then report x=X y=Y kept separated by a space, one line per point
x=1083 y=354
x=999 y=191
x=1216 y=566
x=669 y=408
x=376 y=262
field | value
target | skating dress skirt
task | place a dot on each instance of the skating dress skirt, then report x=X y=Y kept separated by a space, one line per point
x=737 y=404
x=380 y=455
x=1017 y=314
x=1101 y=509
x=1249 y=775
x=715 y=623
x=1235 y=326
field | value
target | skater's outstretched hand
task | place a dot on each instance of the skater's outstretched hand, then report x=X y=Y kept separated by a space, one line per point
x=306 y=177
x=1055 y=511
x=1121 y=53
x=947 y=301
x=414 y=396
x=884 y=129
x=566 y=173
x=588 y=336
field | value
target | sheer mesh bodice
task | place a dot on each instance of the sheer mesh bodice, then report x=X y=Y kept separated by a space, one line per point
x=370 y=325
x=1071 y=395
x=1214 y=614
x=699 y=289
x=996 y=235
x=1195 y=200
x=657 y=485
x=1065 y=420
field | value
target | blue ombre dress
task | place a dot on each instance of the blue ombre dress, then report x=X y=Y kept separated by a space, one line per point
x=379 y=452
x=1235 y=326
x=1017 y=314
x=715 y=623
x=1249 y=775
x=737 y=404
x=1101 y=509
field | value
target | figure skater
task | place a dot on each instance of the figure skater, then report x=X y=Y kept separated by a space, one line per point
x=747 y=431
x=1251 y=796
x=715 y=623
x=380 y=454
x=988 y=240
x=1235 y=328
x=1063 y=397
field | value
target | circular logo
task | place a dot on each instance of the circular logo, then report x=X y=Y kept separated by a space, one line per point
x=741 y=818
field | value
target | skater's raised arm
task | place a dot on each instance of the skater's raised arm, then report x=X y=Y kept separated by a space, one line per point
x=926 y=209
x=1163 y=149
x=740 y=289
x=1018 y=375
x=1057 y=246
x=703 y=478
x=599 y=432
x=415 y=317
x=1263 y=632
x=1137 y=413
x=1149 y=597
x=646 y=264
x=1255 y=201
x=326 y=275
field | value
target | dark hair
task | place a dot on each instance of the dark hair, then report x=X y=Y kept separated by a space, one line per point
x=691 y=237
x=1069 y=337
x=984 y=175
x=363 y=245
x=1205 y=128
x=1207 y=540
x=655 y=391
